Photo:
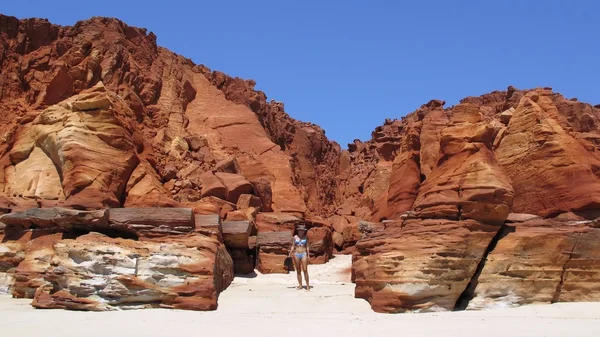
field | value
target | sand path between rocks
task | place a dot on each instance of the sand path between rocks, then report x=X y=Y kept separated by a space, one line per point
x=269 y=305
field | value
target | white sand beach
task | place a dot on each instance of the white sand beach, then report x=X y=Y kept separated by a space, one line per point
x=269 y=305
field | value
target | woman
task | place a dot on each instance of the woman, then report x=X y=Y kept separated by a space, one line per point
x=300 y=253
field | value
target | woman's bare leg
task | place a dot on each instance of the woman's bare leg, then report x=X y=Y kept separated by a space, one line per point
x=305 y=270
x=298 y=266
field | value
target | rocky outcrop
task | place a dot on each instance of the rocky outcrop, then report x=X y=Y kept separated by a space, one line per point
x=61 y=259
x=537 y=149
x=514 y=157
x=540 y=261
x=142 y=126
x=468 y=182
x=423 y=266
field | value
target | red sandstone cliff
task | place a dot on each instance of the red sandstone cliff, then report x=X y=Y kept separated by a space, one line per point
x=180 y=118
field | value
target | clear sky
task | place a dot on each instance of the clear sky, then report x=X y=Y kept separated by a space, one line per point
x=347 y=65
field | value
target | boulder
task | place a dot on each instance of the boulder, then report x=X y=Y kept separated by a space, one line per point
x=95 y=272
x=424 y=266
x=212 y=186
x=506 y=115
x=236 y=234
x=540 y=261
x=276 y=222
x=211 y=204
x=205 y=208
x=195 y=143
x=209 y=225
x=145 y=190
x=248 y=200
x=247 y=214
x=273 y=249
x=368 y=228
x=235 y=184
x=229 y=165
x=347 y=229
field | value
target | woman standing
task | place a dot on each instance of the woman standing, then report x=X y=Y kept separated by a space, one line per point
x=300 y=253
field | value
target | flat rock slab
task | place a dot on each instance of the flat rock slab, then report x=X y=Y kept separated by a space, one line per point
x=152 y=221
x=273 y=249
x=209 y=224
x=236 y=234
x=55 y=217
x=275 y=222
x=274 y=239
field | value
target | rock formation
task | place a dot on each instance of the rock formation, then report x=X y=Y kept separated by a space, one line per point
x=131 y=177
x=470 y=203
x=149 y=257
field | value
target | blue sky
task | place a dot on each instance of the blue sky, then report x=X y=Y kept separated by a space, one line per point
x=347 y=65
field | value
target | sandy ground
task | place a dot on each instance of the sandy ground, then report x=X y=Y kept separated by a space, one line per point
x=269 y=305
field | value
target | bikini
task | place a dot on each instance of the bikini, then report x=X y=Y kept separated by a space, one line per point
x=301 y=242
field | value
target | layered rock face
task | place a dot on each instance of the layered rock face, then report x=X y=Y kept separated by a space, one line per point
x=491 y=202
x=494 y=170
x=165 y=262
x=156 y=108
x=416 y=268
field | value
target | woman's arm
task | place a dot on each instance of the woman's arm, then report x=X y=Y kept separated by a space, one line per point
x=307 y=250
x=292 y=248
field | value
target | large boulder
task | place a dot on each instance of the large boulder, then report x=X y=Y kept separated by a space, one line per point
x=426 y=265
x=59 y=258
x=95 y=272
x=273 y=249
x=540 y=261
x=235 y=184
x=212 y=186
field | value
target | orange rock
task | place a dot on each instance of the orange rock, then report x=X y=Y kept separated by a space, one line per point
x=468 y=182
x=550 y=170
x=276 y=222
x=248 y=200
x=273 y=249
x=212 y=186
x=209 y=204
x=235 y=184
x=321 y=244
x=97 y=115
x=262 y=189
x=540 y=261
x=424 y=266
